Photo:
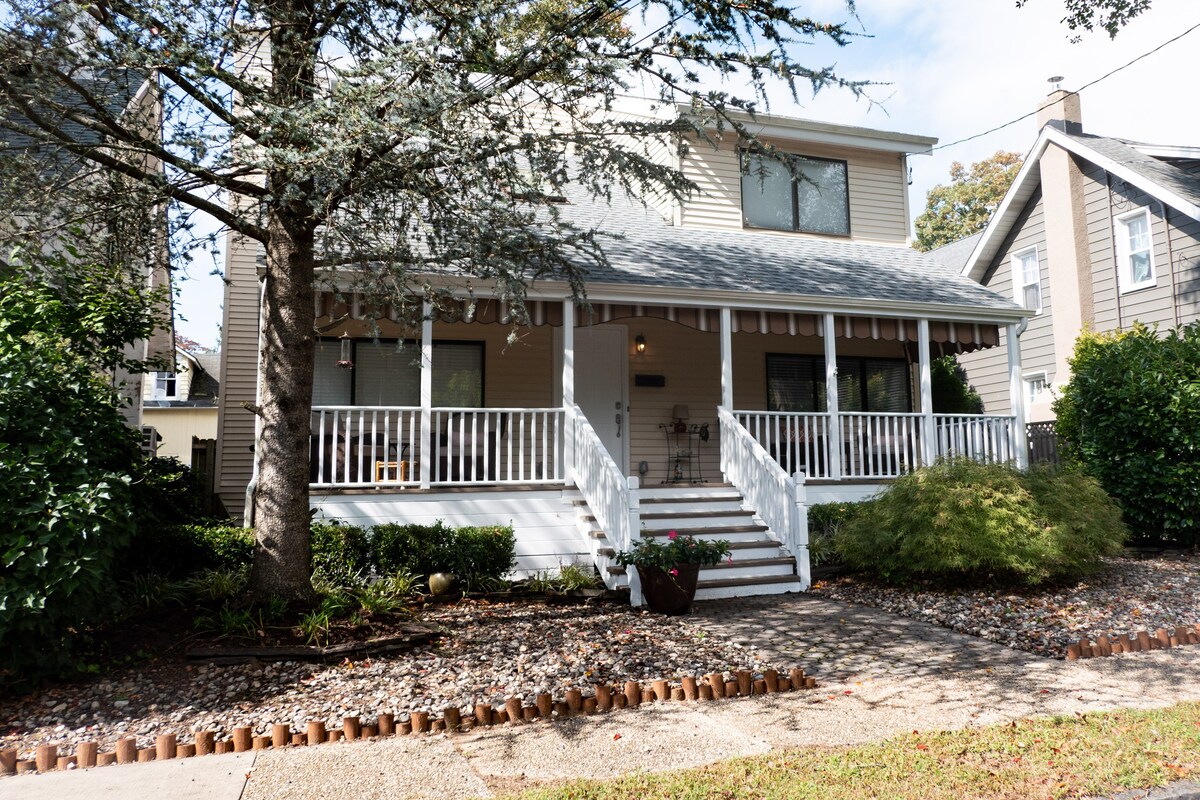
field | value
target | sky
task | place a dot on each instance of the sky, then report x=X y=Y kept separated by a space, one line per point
x=950 y=69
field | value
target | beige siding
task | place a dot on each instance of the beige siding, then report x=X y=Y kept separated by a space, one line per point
x=1174 y=270
x=877 y=185
x=239 y=373
x=177 y=426
x=987 y=370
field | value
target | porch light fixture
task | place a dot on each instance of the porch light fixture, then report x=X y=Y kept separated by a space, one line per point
x=639 y=344
x=680 y=413
x=345 y=362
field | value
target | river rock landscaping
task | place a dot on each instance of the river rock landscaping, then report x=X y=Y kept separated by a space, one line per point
x=487 y=652
x=1128 y=594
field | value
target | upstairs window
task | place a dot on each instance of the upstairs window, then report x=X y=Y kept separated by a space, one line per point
x=1135 y=261
x=1027 y=278
x=1036 y=388
x=165 y=386
x=817 y=200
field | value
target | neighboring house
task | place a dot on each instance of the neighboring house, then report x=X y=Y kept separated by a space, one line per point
x=49 y=172
x=765 y=344
x=1095 y=233
x=181 y=405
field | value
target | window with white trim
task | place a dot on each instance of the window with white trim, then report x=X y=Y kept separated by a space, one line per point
x=1027 y=278
x=165 y=386
x=1135 y=256
x=1036 y=387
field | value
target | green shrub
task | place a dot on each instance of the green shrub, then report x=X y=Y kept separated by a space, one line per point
x=825 y=521
x=960 y=521
x=484 y=555
x=341 y=554
x=180 y=551
x=479 y=556
x=165 y=492
x=66 y=458
x=1130 y=416
x=419 y=549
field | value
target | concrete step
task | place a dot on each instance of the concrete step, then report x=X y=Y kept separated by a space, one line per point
x=678 y=491
x=730 y=532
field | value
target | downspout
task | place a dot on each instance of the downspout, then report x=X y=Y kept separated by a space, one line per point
x=1170 y=258
x=252 y=486
x=1112 y=244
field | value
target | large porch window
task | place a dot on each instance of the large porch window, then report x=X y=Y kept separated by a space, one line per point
x=387 y=374
x=797 y=383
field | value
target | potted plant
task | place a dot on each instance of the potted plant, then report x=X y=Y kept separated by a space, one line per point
x=669 y=570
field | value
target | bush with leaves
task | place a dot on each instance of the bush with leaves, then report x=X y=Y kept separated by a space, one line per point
x=484 y=555
x=66 y=460
x=341 y=554
x=480 y=556
x=180 y=551
x=962 y=522
x=1130 y=416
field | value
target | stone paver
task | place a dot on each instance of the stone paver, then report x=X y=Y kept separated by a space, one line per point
x=841 y=642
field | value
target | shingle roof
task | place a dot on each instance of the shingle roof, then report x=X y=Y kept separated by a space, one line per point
x=1160 y=172
x=116 y=87
x=952 y=257
x=651 y=252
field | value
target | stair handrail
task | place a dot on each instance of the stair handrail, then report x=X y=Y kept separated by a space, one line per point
x=611 y=496
x=778 y=498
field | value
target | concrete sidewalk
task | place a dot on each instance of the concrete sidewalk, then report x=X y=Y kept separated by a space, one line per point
x=668 y=736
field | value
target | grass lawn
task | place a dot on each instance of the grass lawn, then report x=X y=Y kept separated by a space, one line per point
x=1043 y=758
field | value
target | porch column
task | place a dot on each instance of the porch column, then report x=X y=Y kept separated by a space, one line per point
x=928 y=429
x=831 y=399
x=727 y=359
x=426 y=393
x=568 y=391
x=1016 y=393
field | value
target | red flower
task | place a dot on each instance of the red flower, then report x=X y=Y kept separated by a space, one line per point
x=672 y=535
x=674 y=570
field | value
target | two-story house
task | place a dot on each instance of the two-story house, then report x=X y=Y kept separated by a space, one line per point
x=763 y=345
x=181 y=404
x=1095 y=233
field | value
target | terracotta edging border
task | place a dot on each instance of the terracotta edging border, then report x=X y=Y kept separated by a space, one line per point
x=1137 y=642
x=604 y=697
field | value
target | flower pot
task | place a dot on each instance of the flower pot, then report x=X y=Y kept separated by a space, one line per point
x=666 y=593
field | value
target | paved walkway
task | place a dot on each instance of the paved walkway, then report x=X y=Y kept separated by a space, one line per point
x=841 y=642
x=893 y=676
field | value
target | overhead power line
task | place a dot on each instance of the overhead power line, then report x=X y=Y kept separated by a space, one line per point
x=1077 y=91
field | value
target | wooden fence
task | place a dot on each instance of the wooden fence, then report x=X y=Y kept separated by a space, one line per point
x=1043 y=443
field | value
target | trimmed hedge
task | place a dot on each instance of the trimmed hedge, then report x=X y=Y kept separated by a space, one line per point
x=479 y=555
x=341 y=554
x=962 y=522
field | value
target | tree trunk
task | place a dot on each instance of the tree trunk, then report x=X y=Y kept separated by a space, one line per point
x=282 y=563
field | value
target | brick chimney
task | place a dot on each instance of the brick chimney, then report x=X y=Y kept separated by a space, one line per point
x=1061 y=110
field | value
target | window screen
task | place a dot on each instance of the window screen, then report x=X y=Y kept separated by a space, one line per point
x=331 y=383
x=458 y=374
x=797 y=383
x=817 y=201
x=386 y=375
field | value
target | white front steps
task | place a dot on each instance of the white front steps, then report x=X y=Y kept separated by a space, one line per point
x=706 y=511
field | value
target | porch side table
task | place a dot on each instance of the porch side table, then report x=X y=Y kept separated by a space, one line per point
x=683 y=453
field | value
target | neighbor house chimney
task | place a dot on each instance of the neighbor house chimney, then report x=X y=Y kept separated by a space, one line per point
x=1061 y=110
x=1066 y=256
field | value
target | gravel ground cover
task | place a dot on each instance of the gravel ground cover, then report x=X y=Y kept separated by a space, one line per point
x=1128 y=594
x=490 y=651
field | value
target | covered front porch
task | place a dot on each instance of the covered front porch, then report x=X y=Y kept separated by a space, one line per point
x=614 y=404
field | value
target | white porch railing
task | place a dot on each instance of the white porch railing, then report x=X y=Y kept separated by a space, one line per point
x=798 y=441
x=497 y=446
x=380 y=446
x=987 y=438
x=874 y=445
x=879 y=445
x=364 y=446
x=776 y=496
x=611 y=496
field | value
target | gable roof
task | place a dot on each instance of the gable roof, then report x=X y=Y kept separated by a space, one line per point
x=1132 y=162
x=951 y=257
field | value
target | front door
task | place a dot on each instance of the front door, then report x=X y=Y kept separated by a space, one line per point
x=602 y=385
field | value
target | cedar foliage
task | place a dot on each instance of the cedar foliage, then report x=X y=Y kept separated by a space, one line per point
x=963 y=522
